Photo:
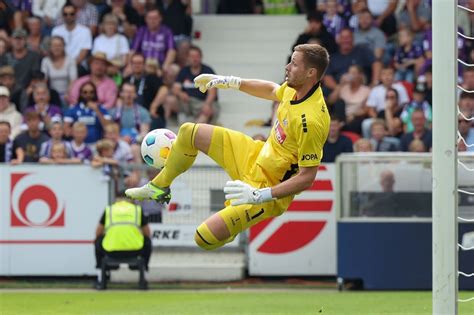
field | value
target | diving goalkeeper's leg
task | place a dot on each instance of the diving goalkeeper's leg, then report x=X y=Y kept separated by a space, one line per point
x=191 y=139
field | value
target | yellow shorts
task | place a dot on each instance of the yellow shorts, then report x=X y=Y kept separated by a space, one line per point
x=236 y=153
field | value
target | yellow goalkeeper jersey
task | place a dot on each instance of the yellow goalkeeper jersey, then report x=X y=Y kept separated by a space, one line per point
x=297 y=137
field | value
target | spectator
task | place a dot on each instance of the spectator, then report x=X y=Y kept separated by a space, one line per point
x=383 y=11
x=89 y=111
x=377 y=101
x=149 y=88
x=87 y=15
x=122 y=151
x=466 y=131
x=336 y=143
x=104 y=159
x=420 y=132
x=110 y=42
x=9 y=113
x=59 y=155
x=415 y=16
x=128 y=17
x=468 y=79
x=134 y=119
x=348 y=55
x=380 y=142
x=56 y=133
x=78 y=146
x=155 y=40
x=48 y=10
x=354 y=93
x=7 y=79
x=26 y=96
x=49 y=113
x=122 y=232
x=6 y=143
x=332 y=20
x=363 y=145
x=416 y=145
x=466 y=103
x=202 y=107
x=78 y=38
x=316 y=30
x=6 y=15
x=370 y=35
x=418 y=102
x=408 y=58
x=26 y=146
x=106 y=88
x=23 y=60
x=4 y=47
x=387 y=181
x=59 y=68
x=176 y=15
x=34 y=40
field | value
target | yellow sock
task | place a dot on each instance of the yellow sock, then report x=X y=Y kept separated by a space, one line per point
x=206 y=240
x=181 y=157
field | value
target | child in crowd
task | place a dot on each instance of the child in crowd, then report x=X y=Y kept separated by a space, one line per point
x=58 y=154
x=419 y=102
x=332 y=20
x=408 y=57
x=56 y=132
x=79 y=148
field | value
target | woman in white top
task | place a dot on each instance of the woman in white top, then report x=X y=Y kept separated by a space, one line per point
x=110 y=42
x=354 y=93
x=61 y=70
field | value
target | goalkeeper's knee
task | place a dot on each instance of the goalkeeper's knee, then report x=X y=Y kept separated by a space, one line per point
x=205 y=239
x=187 y=133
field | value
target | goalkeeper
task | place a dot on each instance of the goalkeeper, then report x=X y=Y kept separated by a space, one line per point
x=265 y=175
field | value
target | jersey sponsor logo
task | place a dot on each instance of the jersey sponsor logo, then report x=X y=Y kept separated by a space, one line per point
x=280 y=134
x=309 y=157
x=33 y=204
x=303 y=122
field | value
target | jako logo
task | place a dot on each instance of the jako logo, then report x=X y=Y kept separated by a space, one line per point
x=307 y=157
x=294 y=235
x=32 y=204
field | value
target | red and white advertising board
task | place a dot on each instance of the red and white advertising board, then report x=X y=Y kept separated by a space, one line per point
x=302 y=241
x=48 y=216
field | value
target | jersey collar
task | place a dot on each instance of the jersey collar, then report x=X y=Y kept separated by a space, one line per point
x=311 y=92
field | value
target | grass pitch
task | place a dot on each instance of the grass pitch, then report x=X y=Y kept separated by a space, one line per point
x=222 y=302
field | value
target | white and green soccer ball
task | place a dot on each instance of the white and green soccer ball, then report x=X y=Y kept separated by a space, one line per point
x=156 y=147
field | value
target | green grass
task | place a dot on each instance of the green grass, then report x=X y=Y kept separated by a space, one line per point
x=223 y=302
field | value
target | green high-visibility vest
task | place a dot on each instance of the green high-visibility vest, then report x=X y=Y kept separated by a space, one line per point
x=122 y=227
x=279 y=7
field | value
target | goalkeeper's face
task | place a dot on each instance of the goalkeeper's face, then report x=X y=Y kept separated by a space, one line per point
x=296 y=71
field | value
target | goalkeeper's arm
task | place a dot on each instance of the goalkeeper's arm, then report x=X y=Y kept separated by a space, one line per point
x=260 y=88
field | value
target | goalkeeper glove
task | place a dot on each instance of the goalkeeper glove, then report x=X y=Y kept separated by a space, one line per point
x=241 y=193
x=206 y=81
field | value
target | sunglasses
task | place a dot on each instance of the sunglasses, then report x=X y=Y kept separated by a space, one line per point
x=87 y=92
x=69 y=13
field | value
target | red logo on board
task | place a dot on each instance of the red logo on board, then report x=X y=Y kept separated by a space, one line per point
x=33 y=204
x=293 y=235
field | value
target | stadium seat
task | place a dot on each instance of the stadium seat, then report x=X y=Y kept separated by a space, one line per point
x=351 y=135
x=113 y=263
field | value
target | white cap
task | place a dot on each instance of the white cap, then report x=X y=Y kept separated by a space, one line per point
x=4 y=91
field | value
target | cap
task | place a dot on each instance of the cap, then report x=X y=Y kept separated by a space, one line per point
x=19 y=32
x=98 y=55
x=4 y=91
x=7 y=70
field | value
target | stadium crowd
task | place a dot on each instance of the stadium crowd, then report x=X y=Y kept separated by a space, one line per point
x=82 y=81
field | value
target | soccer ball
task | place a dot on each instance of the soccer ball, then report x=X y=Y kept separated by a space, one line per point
x=156 y=146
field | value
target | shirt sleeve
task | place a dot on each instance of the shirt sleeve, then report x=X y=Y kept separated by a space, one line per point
x=311 y=139
x=144 y=219
x=144 y=115
x=102 y=219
